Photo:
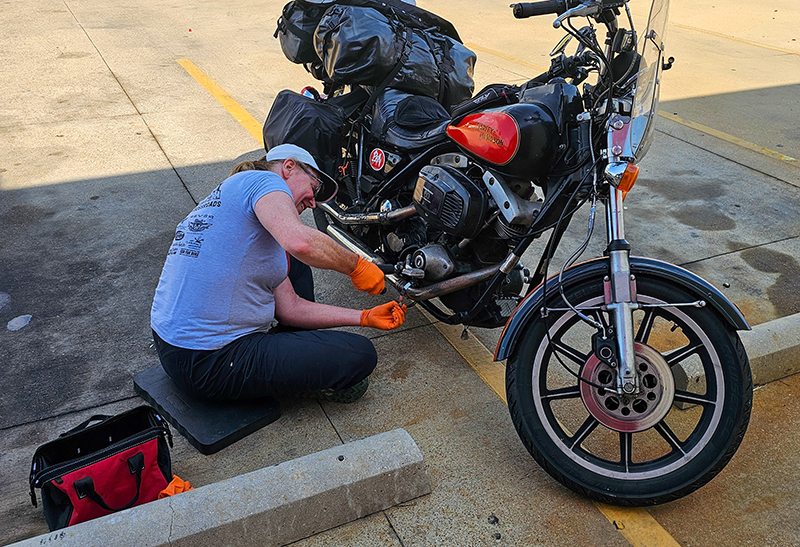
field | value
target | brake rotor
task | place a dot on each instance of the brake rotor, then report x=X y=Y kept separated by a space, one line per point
x=623 y=413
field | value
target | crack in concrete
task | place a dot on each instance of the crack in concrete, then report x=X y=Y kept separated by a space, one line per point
x=136 y=108
x=171 y=522
x=391 y=526
x=725 y=157
x=106 y=403
x=384 y=335
x=684 y=264
x=330 y=422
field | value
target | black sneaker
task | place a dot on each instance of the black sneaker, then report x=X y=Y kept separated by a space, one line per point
x=349 y=395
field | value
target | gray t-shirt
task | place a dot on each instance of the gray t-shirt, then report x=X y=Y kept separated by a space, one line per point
x=221 y=269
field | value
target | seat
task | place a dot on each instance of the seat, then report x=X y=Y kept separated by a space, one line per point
x=208 y=426
x=407 y=121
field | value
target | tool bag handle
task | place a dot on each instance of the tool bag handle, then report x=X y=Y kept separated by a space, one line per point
x=85 y=486
x=84 y=425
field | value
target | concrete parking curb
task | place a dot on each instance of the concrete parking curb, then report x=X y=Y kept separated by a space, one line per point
x=773 y=349
x=271 y=506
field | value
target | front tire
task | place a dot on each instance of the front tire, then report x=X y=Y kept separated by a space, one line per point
x=670 y=440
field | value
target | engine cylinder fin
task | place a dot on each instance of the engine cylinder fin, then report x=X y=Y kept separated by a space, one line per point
x=451 y=210
x=514 y=232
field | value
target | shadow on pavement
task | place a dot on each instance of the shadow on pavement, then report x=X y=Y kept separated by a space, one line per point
x=766 y=116
x=83 y=259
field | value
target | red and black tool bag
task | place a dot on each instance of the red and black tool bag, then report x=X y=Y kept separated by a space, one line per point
x=94 y=470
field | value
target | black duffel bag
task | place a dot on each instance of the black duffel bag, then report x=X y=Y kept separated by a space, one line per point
x=300 y=18
x=310 y=124
x=296 y=27
x=358 y=45
x=364 y=41
x=361 y=45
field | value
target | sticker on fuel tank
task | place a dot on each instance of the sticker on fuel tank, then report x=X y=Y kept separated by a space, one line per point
x=377 y=159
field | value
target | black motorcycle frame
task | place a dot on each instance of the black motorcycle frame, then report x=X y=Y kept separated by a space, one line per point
x=594 y=154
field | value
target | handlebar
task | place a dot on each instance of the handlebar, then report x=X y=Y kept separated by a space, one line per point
x=531 y=9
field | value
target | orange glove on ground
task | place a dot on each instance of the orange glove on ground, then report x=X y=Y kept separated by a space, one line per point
x=367 y=277
x=177 y=486
x=385 y=317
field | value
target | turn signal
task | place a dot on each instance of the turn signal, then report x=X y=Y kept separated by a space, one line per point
x=628 y=178
x=493 y=136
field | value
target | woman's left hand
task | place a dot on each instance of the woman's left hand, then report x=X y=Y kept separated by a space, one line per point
x=385 y=317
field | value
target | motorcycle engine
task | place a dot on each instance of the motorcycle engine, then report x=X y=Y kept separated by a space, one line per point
x=465 y=231
x=449 y=201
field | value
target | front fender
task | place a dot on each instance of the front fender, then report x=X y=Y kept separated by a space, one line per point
x=529 y=308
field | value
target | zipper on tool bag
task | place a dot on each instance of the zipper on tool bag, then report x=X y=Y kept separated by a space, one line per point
x=38 y=479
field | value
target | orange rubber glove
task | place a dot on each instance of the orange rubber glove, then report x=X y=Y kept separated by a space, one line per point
x=385 y=317
x=177 y=486
x=367 y=277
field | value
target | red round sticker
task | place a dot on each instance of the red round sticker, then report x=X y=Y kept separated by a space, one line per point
x=377 y=159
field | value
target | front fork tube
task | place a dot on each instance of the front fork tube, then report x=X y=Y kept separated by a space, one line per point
x=621 y=296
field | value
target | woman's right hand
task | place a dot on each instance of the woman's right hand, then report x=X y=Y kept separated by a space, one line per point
x=368 y=277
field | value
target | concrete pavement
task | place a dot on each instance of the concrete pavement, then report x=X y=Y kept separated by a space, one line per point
x=108 y=143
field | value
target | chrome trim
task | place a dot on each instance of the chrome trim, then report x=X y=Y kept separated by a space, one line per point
x=614 y=218
x=619 y=138
x=452 y=285
x=513 y=208
x=509 y=263
x=621 y=307
x=386 y=217
x=456 y=160
x=614 y=172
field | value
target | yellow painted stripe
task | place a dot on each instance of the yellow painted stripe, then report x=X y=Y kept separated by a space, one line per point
x=725 y=137
x=637 y=526
x=240 y=114
x=506 y=57
x=735 y=39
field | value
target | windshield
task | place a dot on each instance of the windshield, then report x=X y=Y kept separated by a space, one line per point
x=648 y=80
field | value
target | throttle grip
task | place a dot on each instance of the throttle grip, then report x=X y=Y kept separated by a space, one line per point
x=531 y=9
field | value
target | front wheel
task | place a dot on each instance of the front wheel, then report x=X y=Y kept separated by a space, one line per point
x=666 y=442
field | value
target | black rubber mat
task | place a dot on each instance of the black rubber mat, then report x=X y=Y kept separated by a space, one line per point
x=208 y=426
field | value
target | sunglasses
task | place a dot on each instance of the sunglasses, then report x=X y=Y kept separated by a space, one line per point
x=320 y=184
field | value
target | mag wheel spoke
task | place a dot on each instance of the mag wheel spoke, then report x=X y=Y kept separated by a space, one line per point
x=693 y=398
x=584 y=431
x=647 y=326
x=682 y=353
x=668 y=435
x=626 y=450
x=601 y=318
x=563 y=393
x=571 y=353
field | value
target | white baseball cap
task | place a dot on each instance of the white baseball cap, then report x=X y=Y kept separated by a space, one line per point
x=328 y=187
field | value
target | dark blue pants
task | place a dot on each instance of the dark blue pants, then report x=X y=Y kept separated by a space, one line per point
x=283 y=362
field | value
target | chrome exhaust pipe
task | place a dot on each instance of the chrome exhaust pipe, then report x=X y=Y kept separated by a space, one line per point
x=452 y=285
x=387 y=217
x=414 y=293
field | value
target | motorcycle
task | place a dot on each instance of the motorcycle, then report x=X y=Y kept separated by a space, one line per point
x=625 y=377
